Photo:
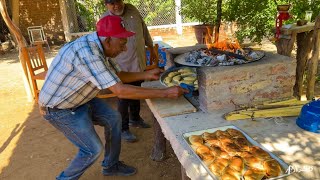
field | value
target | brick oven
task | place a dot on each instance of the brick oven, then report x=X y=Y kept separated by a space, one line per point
x=228 y=87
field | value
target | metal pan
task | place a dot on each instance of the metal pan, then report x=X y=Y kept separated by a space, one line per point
x=285 y=167
x=181 y=58
x=165 y=74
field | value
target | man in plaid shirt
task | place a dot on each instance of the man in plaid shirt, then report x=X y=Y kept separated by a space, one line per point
x=68 y=97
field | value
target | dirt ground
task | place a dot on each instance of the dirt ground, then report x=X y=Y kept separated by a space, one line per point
x=31 y=149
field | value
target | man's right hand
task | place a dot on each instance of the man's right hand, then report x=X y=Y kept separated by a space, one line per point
x=175 y=92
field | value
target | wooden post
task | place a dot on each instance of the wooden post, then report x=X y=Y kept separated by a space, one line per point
x=218 y=21
x=285 y=46
x=69 y=18
x=21 y=43
x=304 y=46
x=313 y=65
x=159 y=147
x=178 y=17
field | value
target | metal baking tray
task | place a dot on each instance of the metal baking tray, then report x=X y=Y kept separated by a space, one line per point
x=165 y=74
x=285 y=167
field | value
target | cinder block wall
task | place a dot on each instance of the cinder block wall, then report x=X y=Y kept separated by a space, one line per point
x=223 y=87
x=42 y=12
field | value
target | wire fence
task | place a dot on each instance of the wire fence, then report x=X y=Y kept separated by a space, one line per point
x=156 y=13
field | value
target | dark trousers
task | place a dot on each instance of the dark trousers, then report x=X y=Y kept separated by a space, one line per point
x=129 y=109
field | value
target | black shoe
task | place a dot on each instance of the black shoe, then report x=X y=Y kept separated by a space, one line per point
x=119 y=169
x=139 y=124
x=128 y=136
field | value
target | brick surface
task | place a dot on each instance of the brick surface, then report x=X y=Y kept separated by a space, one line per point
x=246 y=85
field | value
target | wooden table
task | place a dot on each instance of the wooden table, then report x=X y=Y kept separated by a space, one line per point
x=285 y=139
x=307 y=38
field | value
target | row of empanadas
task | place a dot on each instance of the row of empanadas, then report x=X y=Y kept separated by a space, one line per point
x=229 y=155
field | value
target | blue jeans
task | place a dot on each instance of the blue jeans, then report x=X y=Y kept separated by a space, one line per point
x=77 y=126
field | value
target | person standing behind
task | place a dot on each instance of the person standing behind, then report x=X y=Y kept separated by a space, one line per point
x=132 y=60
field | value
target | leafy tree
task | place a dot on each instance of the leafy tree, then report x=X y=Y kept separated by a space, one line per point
x=155 y=12
x=256 y=18
x=90 y=11
x=203 y=11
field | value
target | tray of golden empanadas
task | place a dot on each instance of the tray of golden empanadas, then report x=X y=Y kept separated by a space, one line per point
x=176 y=76
x=228 y=153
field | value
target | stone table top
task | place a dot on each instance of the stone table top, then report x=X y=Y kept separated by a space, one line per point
x=298 y=148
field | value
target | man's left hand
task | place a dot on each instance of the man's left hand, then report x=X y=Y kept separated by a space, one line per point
x=153 y=74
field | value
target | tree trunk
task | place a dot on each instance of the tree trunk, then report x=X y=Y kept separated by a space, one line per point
x=21 y=43
x=312 y=66
x=304 y=46
x=218 y=21
x=285 y=46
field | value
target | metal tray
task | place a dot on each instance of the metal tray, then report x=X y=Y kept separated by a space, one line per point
x=285 y=167
x=165 y=74
x=181 y=60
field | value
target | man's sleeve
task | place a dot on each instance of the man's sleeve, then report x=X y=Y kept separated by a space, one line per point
x=146 y=34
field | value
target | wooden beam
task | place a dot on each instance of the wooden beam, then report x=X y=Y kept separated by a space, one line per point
x=313 y=65
x=158 y=152
x=21 y=43
x=304 y=47
x=285 y=46
x=15 y=12
x=297 y=29
x=69 y=18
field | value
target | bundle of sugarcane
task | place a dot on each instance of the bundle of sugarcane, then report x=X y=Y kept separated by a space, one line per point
x=286 y=108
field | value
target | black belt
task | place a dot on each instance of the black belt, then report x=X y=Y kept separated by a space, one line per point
x=49 y=109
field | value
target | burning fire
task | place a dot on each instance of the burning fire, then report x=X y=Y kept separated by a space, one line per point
x=225 y=43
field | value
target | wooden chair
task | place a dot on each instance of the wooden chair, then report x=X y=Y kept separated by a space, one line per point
x=37 y=66
x=153 y=64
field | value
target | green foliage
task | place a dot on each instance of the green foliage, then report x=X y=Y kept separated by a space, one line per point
x=318 y=78
x=90 y=11
x=155 y=12
x=203 y=11
x=256 y=18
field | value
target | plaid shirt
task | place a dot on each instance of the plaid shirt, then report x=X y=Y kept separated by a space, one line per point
x=77 y=74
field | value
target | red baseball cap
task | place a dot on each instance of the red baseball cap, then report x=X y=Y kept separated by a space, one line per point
x=112 y=26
